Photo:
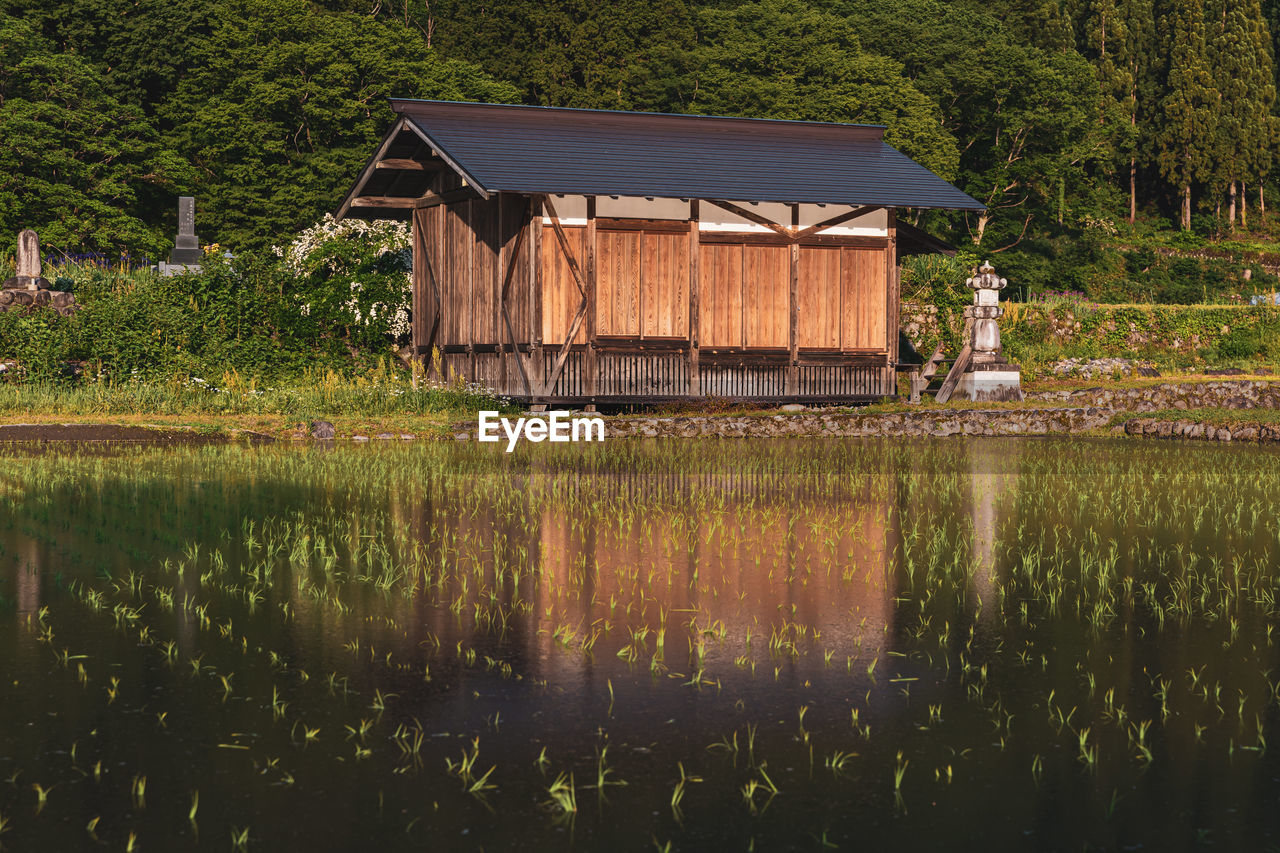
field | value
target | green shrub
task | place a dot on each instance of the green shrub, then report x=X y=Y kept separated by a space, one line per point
x=336 y=299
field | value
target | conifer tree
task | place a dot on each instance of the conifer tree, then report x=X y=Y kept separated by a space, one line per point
x=1190 y=106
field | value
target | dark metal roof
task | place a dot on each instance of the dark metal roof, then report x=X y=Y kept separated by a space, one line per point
x=503 y=148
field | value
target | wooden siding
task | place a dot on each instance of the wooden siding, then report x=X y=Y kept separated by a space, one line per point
x=619 y=282
x=863 y=294
x=665 y=293
x=650 y=280
x=766 y=279
x=642 y=286
x=560 y=294
x=819 y=301
x=720 y=295
x=842 y=299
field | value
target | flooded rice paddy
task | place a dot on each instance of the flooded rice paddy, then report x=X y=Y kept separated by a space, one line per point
x=984 y=644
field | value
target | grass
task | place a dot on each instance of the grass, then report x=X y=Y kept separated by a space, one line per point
x=383 y=402
x=1217 y=417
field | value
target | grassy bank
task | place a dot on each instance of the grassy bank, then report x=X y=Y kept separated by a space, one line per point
x=1216 y=417
x=385 y=401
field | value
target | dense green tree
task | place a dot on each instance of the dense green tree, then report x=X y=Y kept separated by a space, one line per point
x=1191 y=105
x=283 y=104
x=140 y=47
x=75 y=159
x=628 y=54
x=1025 y=117
x=784 y=59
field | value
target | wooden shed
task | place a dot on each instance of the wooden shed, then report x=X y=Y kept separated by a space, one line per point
x=587 y=257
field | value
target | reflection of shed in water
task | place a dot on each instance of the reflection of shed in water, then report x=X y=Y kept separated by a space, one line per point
x=747 y=564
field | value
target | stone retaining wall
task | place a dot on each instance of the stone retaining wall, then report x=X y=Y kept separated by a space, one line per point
x=1171 y=395
x=1202 y=432
x=842 y=423
x=1088 y=410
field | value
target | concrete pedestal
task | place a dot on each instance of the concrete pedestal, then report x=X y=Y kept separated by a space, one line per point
x=991 y=382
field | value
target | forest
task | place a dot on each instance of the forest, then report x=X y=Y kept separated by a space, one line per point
x=1079 y=123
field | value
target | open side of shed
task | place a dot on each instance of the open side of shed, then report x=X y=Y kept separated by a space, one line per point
x=582 y=257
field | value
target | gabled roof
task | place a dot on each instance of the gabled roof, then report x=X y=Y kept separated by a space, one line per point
x=531 y=150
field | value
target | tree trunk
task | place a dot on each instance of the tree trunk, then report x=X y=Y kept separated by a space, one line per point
x=1262 y=203
x=983 y=219
x=1186 y=206
x=1231 y=209
x=1244 y=205
x=1133 y=190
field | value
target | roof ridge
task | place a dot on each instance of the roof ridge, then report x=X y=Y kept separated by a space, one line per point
x=641 y=113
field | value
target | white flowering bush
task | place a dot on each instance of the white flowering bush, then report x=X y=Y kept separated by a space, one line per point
x=354 y=278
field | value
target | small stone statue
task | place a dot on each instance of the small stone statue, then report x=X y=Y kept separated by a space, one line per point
x=28 y=275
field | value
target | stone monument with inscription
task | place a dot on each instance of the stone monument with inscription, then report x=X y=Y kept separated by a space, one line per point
x=186 y=254
x=988 y=376
x=28 y=288
x=28 y=276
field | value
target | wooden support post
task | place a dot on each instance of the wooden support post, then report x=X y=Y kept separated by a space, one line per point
x=499 y=289
x=535 y=276
x=469 y=328
x=695 y=251
x=793 y=363
x=892 y=295
x=591 y=361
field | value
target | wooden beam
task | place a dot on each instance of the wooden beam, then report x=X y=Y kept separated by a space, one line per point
x=535 y=276
x=793 y=304
x=502 y=301
x=563 y=357
x=406 y=164
x=751 y=216
x=431 y=198
x=367 y=171
x=893 y=321
x=564 y=246
x=385 y=202
x=953 y=376
x=837 y=220
x=695 y=251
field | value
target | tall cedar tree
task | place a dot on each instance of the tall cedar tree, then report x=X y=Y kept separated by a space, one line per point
x=1191 y=104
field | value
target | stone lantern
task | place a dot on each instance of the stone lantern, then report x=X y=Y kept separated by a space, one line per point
x=988 y=376
x=986 y=286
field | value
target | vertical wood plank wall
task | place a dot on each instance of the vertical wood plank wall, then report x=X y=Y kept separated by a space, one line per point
x=652 y=280
x=560 y=294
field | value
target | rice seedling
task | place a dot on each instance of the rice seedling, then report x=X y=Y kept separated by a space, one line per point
x=563 y=795
x=529 y=589
x=138 y=791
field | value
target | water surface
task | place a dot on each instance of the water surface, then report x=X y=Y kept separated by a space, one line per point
x=994 y=644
